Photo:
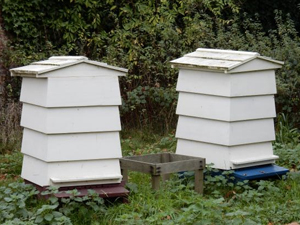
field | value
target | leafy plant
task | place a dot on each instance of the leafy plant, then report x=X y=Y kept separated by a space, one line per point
x=10 y=166
x=288 y=156
x=144 y=37
x=285 y=134
x=18 y=205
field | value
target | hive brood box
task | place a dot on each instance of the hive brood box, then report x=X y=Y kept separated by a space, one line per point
x=71 y=121
x=226 y=107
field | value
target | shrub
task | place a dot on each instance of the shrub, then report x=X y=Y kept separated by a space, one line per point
x=144 y=37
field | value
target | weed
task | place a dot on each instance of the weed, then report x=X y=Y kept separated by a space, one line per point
x=285 y=133
x=10 y=166
x=288 y=156
x=10 y=130
x=225 y=200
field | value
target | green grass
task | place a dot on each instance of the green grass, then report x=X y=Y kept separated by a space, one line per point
x=224 y=201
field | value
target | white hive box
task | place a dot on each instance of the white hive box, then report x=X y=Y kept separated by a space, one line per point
x=226 y=107
x=71 y=121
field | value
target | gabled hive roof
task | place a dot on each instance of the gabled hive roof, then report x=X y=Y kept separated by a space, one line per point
x=58 y=62
x=227 y=61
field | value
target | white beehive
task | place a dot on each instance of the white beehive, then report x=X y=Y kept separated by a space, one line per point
x=71 y=121
x=226 y=107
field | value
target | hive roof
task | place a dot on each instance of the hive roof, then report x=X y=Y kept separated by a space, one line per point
x=227 y=61
x=58 y=62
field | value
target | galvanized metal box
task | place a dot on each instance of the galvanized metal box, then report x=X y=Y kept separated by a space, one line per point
x=226 y=107
x=71 y=121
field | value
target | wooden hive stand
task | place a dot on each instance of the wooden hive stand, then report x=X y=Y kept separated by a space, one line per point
x=164 y=164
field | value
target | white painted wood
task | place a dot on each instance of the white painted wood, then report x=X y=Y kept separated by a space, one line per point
x=204 y=106
x=60 y=60
x=84 y=179
x=43 y=68
x=204 y=63
x=71 y=92
x=224 y=108
x=73 y=172
x=226 y=61
x=210 y=83
x=227 y=85
x=224 y=133
x=82 y=70
x=34 y=91
x=71 y=147
x=255 y=160
x=258 y=107
x=256 y=65
x=253 y=83
x=213 y=154
x=224 y=51
x=71 y=120
x=31 y=70
x=238 y=56
x=223 y=156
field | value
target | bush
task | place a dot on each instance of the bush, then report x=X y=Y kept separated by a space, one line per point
x=144 y=37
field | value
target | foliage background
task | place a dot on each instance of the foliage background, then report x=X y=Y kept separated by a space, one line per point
x=144 y=36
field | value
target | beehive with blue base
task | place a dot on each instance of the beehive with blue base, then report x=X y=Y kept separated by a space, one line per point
x=226 y=107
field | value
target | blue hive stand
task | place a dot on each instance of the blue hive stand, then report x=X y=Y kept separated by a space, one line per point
x=260 y=172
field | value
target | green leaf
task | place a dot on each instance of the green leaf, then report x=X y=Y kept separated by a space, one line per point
x=39 y=219
x=48 y=217
x=53 y=199
x=7 y=199
x=57 y=214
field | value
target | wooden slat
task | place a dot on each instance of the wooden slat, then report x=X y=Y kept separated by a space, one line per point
x=57 y=180
x=205 y=63
x=174 y=167
x=254 y=160
x=199 y=180
x=151 y=158
x=155 y=182
x=218 y=56
x=165 y=158
x=165 y=166
x=136 y=166
x=178 y=157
